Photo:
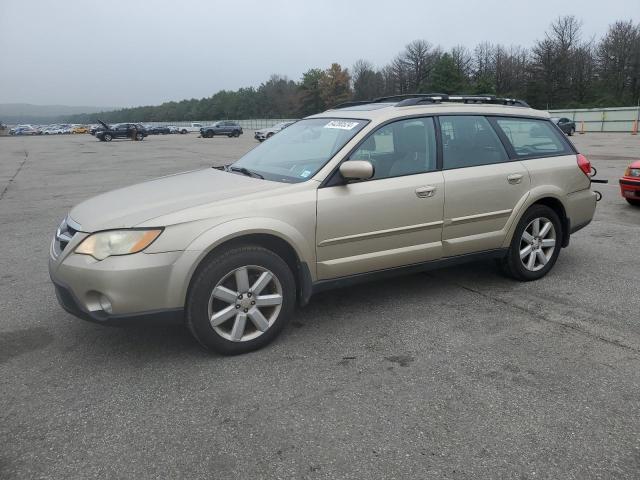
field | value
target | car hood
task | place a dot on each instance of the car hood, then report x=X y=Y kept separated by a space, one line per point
x=131 y=206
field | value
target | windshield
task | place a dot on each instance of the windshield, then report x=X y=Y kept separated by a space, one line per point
x=300 y=150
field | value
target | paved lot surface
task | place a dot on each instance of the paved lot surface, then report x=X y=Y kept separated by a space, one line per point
x=458 y=373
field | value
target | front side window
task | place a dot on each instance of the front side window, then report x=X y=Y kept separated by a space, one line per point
x=469 y=141
x=299 y=151
x=533 y=137
x=400 y=148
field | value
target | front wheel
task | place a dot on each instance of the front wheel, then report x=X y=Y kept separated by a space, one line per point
x=240 y=300
x=183 y=132
x=107 y=137
x=535 y=245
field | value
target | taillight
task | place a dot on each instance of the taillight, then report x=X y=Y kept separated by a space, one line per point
x=584 y=165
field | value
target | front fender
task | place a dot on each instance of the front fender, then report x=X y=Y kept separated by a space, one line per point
x=201 y=246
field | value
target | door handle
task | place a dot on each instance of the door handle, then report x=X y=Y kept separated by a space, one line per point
x=514 y=178
x=425 y=192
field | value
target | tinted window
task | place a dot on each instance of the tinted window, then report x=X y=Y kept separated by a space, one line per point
x=401 y=148
x=469 y=141
x=532 y=137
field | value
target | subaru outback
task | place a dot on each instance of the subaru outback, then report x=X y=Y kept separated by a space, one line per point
x=361 y=191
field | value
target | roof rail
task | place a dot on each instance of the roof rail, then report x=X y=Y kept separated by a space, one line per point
x=409 y=99
x=351 y=104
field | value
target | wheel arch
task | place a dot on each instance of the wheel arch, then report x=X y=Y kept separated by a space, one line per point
x=283 y=245
x=550 y=198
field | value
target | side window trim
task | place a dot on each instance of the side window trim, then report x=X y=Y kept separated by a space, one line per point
x=492 y=119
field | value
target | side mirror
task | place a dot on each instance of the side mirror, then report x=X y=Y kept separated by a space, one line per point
x=356 y=170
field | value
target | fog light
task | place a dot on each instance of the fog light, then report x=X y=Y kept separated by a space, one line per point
x=105 y=304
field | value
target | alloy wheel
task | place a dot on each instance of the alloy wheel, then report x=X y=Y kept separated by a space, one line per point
x=537 y=244
x=245 y=303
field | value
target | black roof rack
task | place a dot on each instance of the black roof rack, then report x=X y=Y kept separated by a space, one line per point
x=418 y=98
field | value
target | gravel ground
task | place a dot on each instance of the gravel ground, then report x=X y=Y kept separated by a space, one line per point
x=458 y=373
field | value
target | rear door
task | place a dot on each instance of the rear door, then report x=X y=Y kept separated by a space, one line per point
x=483 y=186
x=391 y=220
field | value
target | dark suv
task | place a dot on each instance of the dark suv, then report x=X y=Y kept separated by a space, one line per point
x=224 y=127
x=566 y=125
x=120 y=130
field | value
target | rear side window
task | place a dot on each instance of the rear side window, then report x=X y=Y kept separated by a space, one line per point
x=469 y=141
x=533 y=138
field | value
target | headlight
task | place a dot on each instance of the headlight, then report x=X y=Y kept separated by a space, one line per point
x=632 y=172
x=117 y=242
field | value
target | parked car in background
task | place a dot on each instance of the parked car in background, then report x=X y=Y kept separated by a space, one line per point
x=224 y=127
x=157 y=130
x=52 y=130
x=194 y=127
x=95 y=127
x=630 y=184
x=347 y=195
x=120 y=130
x=79 y=129
x=264 y=133
x=24 y=130
x=567 y=125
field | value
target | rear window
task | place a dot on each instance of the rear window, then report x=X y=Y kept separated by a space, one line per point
x=533 y=138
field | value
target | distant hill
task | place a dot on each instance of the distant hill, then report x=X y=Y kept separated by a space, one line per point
x=29 y=113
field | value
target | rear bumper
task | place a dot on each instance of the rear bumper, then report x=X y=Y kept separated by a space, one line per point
x=630 y=187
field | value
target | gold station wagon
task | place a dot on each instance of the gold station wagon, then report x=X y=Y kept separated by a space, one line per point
x=363 y=190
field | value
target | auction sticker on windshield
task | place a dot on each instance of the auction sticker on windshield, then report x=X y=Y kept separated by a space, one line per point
x=342 y=125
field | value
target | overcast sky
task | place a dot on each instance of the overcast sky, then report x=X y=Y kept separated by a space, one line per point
x=127 y=52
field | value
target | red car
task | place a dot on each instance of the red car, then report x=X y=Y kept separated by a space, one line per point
x=630 y=184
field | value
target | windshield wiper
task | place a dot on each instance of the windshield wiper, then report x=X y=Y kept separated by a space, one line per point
x=246 y=171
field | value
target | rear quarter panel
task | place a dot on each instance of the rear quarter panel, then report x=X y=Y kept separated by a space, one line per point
x=559 y=178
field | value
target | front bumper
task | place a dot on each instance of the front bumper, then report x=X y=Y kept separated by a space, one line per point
x=630 y=187
x=121 y=288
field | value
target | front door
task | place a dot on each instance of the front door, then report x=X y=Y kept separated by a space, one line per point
x=391 y=220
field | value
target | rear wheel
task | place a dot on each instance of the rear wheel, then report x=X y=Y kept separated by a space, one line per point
x=139 y=136
x=209 y=134
x=183 y=131
x=635 y=203
x=240 y=300
x=535 y=245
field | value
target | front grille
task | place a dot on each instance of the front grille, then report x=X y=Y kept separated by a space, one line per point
x=67 y=229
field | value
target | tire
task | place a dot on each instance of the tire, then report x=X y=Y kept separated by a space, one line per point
x=527 y=268
x=571 y=132
x=230 y=135
x=183 y=132
x=236 y=134
x=209 y=134
x=634 y=202
x=269 y=135
x=139 y=137
x=107 y=137
x=233 y=310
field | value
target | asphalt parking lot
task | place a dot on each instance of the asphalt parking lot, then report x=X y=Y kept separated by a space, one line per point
x=458 y=373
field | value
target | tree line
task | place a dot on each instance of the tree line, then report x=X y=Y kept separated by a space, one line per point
x=562 y=70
